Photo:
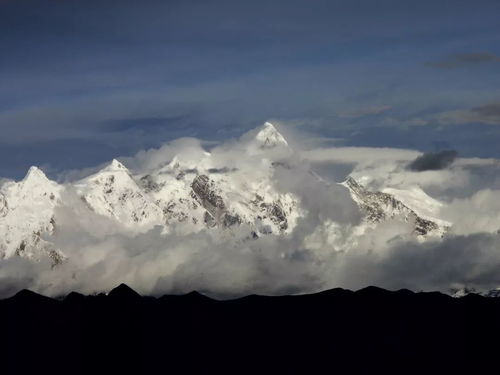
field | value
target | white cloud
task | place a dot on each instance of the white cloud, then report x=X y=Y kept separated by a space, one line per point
x=322 y=251
x=359 y=154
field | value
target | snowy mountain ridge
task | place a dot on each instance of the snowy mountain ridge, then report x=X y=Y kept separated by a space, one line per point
x=379 y=206
x=188 y=195
x=27 y=209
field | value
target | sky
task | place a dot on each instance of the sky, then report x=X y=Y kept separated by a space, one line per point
x=404 y=96
x=84 y=81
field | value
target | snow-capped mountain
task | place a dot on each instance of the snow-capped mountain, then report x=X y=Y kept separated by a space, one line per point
x=379 y=206
x=190 y=195
x=465 y=291
x=113 y=192
x=268 y=136
x=187 y=194
x=204 y=194
x=27 y=216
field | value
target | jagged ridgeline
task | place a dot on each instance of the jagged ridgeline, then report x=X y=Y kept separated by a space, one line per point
x=195 y=194
x=340 y=330
x=379 y=206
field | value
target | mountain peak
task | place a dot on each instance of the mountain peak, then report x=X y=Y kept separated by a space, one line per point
x=35 y=174
x=269 y=136
x=115 y=166
x=268 y=125
x=123 y=291
x=30 y=297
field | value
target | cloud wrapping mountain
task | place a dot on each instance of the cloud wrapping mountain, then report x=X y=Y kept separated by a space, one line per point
x=305 y=232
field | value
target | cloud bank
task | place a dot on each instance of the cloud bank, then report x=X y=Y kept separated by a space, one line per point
x=323 y=250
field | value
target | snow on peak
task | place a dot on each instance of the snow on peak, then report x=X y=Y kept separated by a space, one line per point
x=193 y=191
x=27 y=214
x=176 y=165
x=35 y=185
x=187 y=163
x=381 y=205
x=269 y=136
x=35 y=174
x=420 y=202
x=113 y=192
x=115 y=166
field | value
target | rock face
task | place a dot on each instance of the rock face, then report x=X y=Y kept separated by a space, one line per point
x=380 y=206
x=4 y=207
x=204 y=193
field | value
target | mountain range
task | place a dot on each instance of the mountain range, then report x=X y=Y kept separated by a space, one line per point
x=337 y=330
x=191 y=194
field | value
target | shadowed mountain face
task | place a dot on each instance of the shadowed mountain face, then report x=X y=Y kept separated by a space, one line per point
x=123 y=292
x=336 y=330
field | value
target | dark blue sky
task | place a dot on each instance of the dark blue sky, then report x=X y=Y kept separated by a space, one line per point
x=84 y=81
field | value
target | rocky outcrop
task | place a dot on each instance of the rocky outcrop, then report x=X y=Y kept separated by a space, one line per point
x=204 y=193
x=379 y=206
x=4 y=207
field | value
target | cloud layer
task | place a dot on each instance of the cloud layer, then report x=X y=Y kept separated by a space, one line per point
x=313 y=257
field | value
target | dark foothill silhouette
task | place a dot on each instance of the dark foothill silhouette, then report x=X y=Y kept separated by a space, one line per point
x=336 y=331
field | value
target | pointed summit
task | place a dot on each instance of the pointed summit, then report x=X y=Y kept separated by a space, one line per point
x=29 y=297
x=269 y=136
x=35 y=174
x=115 y=165
x=110 y=169
x=123 y=291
